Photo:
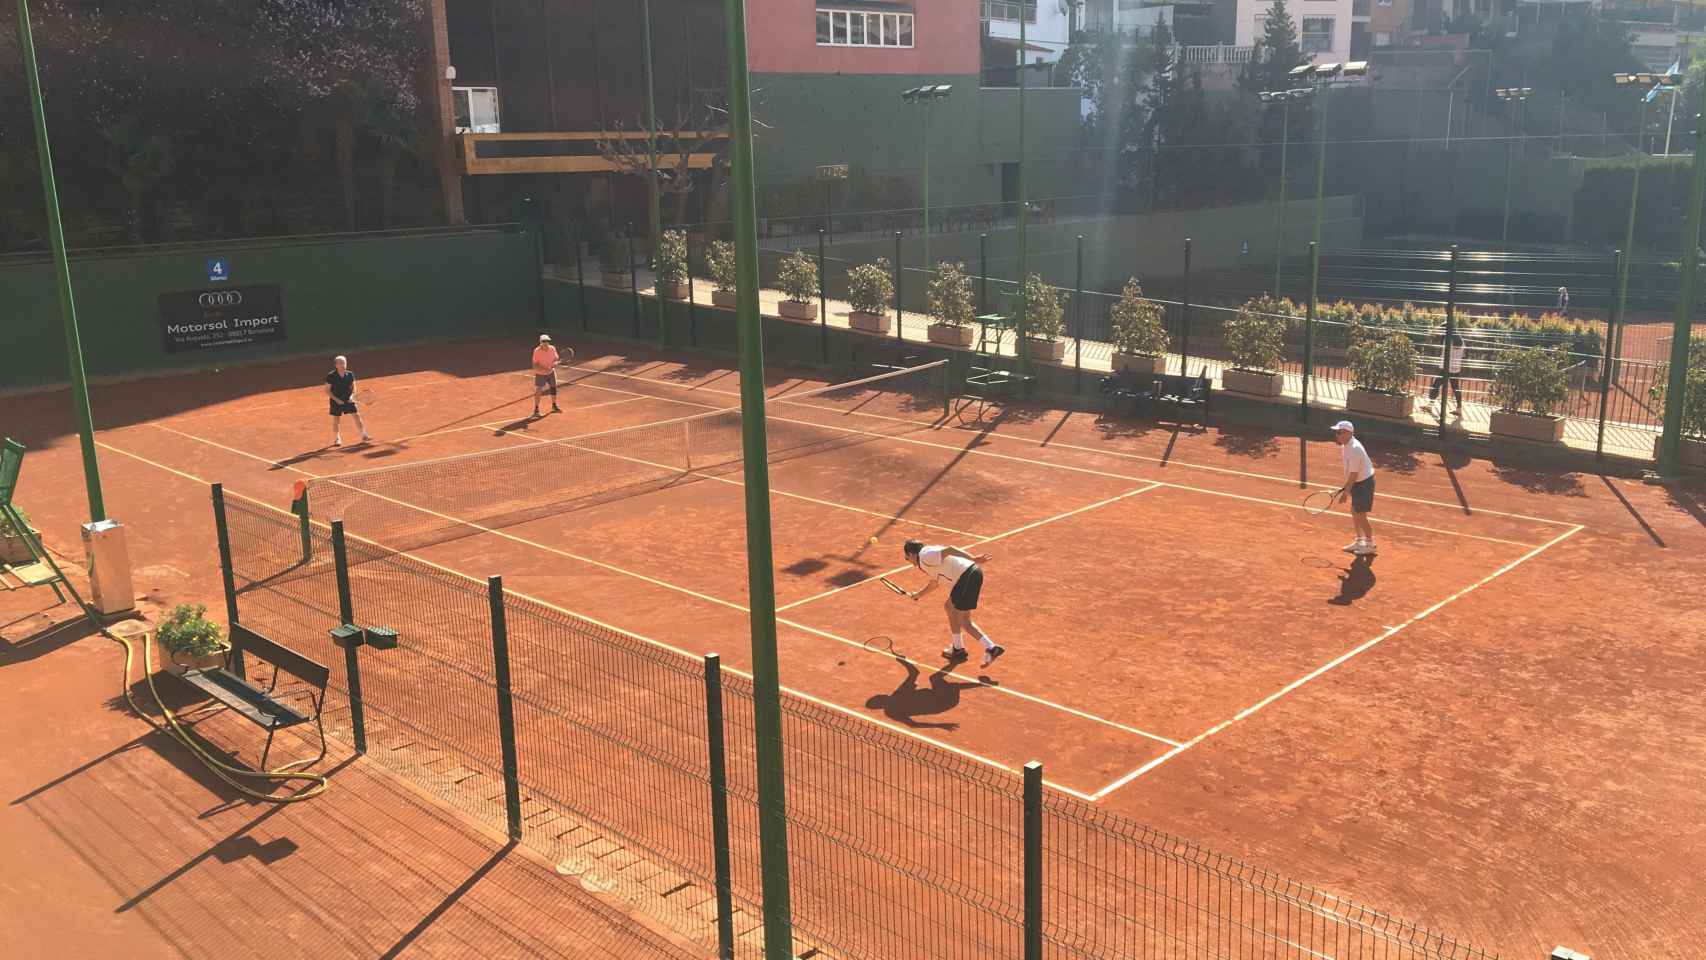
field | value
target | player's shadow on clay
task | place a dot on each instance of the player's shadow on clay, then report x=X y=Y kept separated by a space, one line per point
x=1355 y=582
x=908 y=701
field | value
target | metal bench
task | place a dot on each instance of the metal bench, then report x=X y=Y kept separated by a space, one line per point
x=259 y=706
x=1135 y=393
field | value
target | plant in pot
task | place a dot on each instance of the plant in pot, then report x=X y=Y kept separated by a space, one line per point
x=798 y=280
x=1040 y=321
x=1529 y=387
x=1382 y=371
x=669 y=265
x=870 y=291
x=13 y=549
x=1140 y=336
x=1255 y=337
x=614 y=263
x=1693 y=405
x=187 y=640
x=951 y=306
x=720 y=261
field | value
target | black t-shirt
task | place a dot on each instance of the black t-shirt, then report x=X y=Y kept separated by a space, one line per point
x=342 y=384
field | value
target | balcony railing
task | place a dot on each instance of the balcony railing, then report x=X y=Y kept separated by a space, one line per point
x=1213 y=53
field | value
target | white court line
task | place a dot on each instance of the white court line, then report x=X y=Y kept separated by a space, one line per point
x=667 y=585
x=1335 y=662
x=659 y=644
x=1229 y=471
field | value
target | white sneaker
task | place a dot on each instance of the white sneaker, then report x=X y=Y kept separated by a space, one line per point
x=1364 y=548
x=993 y=652
x=337 y=441
x=1353 y=546
x=954 y=653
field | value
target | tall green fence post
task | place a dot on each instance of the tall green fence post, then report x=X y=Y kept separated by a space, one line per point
x=822 y=301
x=719 y=806
x=1033 y=861
x=227 y=576
x=654 y=204
x=506 y=706
x=1605 y=372
x=1450 y=333
x=983 y=274
x=1078 y=323
x=1309 y=333
x=1185 y=317
x=352 y=661
x=634 y=279
x=580 y=276
x=897 y=279
x=692 y=299
x=1676 y=386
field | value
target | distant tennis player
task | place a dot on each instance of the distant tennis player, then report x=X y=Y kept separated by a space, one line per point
x=545 y=373
x=340 y=392
x=963 y=574
x=1454 y=367
x=1359 y=484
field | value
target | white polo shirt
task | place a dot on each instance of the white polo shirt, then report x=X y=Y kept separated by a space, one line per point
x=1457 y=351
x=1358 y=466
x=938 y=563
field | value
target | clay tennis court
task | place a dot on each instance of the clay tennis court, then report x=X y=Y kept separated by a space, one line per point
x=1492 y=729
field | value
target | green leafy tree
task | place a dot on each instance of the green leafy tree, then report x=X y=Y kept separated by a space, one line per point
x=1277 y=53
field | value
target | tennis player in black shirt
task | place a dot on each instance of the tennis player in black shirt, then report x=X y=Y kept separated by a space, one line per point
x=340 y=391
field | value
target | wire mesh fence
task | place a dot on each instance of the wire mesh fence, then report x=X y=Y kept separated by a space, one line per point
x=897 y=847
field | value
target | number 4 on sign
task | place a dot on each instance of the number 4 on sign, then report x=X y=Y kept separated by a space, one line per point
x=217 y=270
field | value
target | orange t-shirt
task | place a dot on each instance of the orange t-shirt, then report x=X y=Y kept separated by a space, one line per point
x=544 y=359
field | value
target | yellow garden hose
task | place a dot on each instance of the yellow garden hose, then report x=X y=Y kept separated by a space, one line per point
x=231 y=775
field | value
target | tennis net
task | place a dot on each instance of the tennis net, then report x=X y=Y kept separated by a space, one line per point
x=409 y=506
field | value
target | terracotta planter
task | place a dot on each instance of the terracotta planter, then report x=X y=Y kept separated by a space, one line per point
x=869 y=322
x=727 y=299
x=1138 y=363
x=672 y=291
x=949 y=334
x=1392 y=406
x=617 y=279
x=1693 y=453
x=1255 y=383
x=14 y=550
x=1524 y=426
x=1052 y=351
x=795 y=310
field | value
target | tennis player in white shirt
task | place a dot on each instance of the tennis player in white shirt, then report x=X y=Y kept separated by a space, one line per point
x=963 y=574
x=1359 y=485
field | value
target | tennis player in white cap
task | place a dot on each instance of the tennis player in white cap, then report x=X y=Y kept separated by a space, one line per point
x=1359 y=485
x=545 y=373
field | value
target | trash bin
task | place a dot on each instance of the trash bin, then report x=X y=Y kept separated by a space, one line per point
x=109 y=567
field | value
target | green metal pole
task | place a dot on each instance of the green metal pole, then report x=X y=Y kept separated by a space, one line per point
x=1505 y=230
x=1605 y=371
x=1309 y=332
x=1033 y=859
x=927 y=261
x=1021 y=322
x=652 y=199
x=1670 y=445
x=346 y=618
x=1279 y=214
x=761 y=575
x=1321 y=172
x=62 y=275
x=719 y=777
x=1616 y=351
x=227 y=576
x=506 y=706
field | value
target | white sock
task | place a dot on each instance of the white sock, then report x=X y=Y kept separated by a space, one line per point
x=957 y=642
x=988 y=644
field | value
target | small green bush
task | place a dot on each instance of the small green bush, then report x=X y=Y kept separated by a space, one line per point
x=720 y=261
x=949 y=295
x=1139 y=329
x=1255 y=336
x=1384 y=364
x=1043 y=310
x=6 y=527
x=188 y=632
x=1694 y=396
x=798 y=278
x=670 y=261
x=870 y=288
x=1531 y=380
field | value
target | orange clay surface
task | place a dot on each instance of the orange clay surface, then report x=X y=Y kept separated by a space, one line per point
x=1493 y=729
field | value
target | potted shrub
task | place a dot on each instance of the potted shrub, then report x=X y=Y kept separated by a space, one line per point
x=1693 y=405
x=188 y=640
x=720 y=260
x=1255 y=337
x=1140 y=337
x=951 y=308
x=1041 y=323
x=798 y=281
x=669 y=265
x=870 y=290
x=1530 y=384
x=13 y=549
x=1382 y=371
x=614 y=263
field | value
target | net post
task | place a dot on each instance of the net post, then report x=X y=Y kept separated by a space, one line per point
x=1185 y=317
x=897 y=278
x=719 y=805
x=506 y=706
x=634 y=280
x=227 y=576
x=580 y=275
x=1033 y=861
x=1617 y=268
x=352 y=662
x=1078 y=323
x=1309 y=334
x=303 y=528
x=822 y=301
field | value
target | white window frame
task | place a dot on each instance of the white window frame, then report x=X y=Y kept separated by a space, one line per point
x=987 y=10
x=1304 y=35
x=876 y=28
x=474 y=125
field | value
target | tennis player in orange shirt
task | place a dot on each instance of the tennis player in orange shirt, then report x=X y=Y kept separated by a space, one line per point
x=545 y=373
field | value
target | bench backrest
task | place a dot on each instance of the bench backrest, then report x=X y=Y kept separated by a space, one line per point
x=11 y=462
x=245 y=640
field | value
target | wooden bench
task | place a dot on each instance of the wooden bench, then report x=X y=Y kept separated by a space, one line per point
x=259 y=706
x=1138 y=393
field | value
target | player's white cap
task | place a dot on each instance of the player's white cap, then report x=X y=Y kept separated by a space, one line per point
x=1344 y=425
x=544 y=338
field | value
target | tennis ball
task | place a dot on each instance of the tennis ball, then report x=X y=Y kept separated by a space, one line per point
x=873 y=539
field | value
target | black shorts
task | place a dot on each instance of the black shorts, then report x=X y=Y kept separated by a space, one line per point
x=1362 y=496
x=545 y=382
x=965 y=592
x=341 y=407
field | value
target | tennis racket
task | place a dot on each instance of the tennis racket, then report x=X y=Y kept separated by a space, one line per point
x=1320 y=502
x=365 y=397
x=893 y=586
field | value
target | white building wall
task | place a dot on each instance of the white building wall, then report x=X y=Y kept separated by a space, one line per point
x=1252 y=13
x=1052 y=31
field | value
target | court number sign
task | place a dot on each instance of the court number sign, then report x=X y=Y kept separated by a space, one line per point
x=832 y=171
x=221 y=317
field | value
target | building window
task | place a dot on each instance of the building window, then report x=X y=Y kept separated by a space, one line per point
x=475 y=109
x=856 y=28
x=1317 y=35
x=1383 y=38
x=1009 y=10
